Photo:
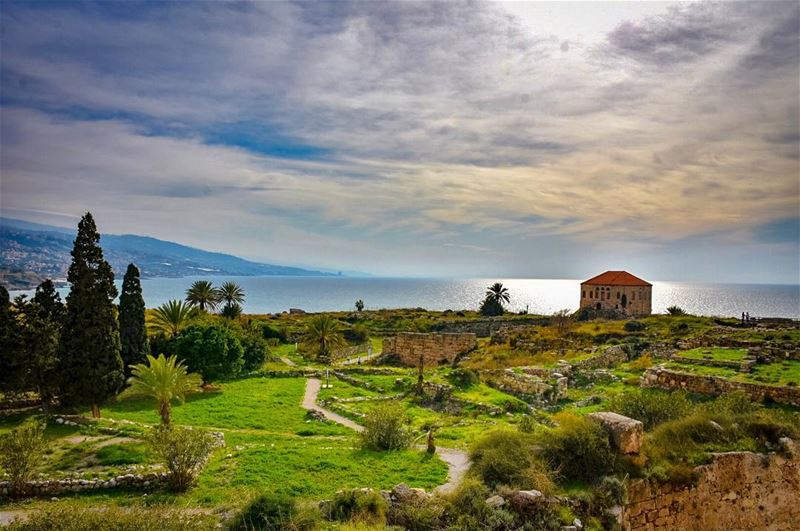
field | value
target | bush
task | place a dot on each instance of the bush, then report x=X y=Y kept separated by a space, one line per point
x=72 y=517
x=385 y=428
x=463 y=378
x=578 y=449
x=273 y=512
x=21 y=452
x=419 y=514
x=361 y=505
x=634 y=326
x=212 y=351
x=675 y=310
x=491 y=308
x=254 y=351
x=184 y=452
x=508 y=458
x=641 y=363
x=526 y=424
x=651 y=406
x=270 y=332
x=358 y=333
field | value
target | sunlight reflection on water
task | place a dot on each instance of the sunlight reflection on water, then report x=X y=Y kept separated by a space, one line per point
x=542 y=296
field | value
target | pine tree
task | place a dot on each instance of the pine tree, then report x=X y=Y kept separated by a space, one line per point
x=12 y=374
x=40 y=322
x=49 y=302
x=132 y=331
x=91 y=366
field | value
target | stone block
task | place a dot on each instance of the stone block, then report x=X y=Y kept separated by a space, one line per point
x=627 y=434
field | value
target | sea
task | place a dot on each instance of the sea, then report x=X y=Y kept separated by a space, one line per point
x=538 y=296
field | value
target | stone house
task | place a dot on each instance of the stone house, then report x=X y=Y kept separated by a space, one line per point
x=619 y=291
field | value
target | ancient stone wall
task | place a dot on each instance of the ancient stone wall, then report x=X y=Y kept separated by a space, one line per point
x=490 y=325
x=738 y=490
x=715 y=385
x=435 y=349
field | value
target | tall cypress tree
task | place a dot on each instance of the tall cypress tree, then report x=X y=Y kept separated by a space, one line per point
x=43 y=319
x=132 y=332
x=90 y=347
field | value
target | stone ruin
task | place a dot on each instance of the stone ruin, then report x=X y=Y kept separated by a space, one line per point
x=435 y=349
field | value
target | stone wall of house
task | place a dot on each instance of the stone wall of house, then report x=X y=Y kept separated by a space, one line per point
x=638 y=299
x=715 y=385
x=435 y=349
x=738 y=490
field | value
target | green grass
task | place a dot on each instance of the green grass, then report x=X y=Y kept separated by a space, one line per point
x=264 y=404
x=123 y=454
x=777 y=373
x=715 y=353
x=309 y=468
x=483 y=394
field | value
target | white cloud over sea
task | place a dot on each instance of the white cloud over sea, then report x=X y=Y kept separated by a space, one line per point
x=417 y=138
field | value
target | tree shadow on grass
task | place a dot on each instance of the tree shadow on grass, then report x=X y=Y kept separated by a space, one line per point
x=132 y=405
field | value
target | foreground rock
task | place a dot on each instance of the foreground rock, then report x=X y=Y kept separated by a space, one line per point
x=626 y=434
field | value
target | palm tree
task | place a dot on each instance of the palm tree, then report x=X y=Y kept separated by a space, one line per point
x=203 y=294
x=497 y=293
x=231 y=292
x=164 y=379
x=323 y=336
x=171 y=317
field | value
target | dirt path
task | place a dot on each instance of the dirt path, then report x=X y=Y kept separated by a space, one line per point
x=457 y=460
x=313 y=386
x=288 y=362
x=457 y=463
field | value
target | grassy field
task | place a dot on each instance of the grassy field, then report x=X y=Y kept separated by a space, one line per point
x=714 y=353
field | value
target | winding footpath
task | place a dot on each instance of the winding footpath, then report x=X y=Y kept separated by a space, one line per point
x=457 y=460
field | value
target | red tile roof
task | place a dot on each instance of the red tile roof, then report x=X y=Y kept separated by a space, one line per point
x=616 y=278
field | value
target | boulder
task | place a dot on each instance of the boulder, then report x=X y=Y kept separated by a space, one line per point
x=402 y=493
x=495 y=501
x=626 y=434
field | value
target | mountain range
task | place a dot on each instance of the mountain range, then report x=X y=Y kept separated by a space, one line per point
x=31 y=252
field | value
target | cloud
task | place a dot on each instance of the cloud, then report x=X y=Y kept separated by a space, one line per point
x=338 y=129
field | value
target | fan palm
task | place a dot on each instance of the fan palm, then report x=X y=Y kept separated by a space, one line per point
x=497 y=293
x=231 y=292
x=171 y=317
x=203 y=294
x=323 y=336
x=165 y=380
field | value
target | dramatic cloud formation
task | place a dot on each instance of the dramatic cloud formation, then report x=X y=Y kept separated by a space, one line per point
x=416 y=138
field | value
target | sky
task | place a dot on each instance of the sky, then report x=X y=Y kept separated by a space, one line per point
x=540 y=140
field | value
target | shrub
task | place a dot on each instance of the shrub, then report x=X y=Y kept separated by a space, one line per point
x=578 y=449
x=675 y=310
x=642 y=363
x=651 y=406
x=362 y=505
x=273 y=512
x=73 y=517
x=184 y=452
x=21 y=452
x=526 y=424
x=385 y=428
x=358 y=333
x=634 y=326
x=270 y=332
x=508 y=458
x=213 y=351
x=254 y=351
x=463 y=378
x=419 y=514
